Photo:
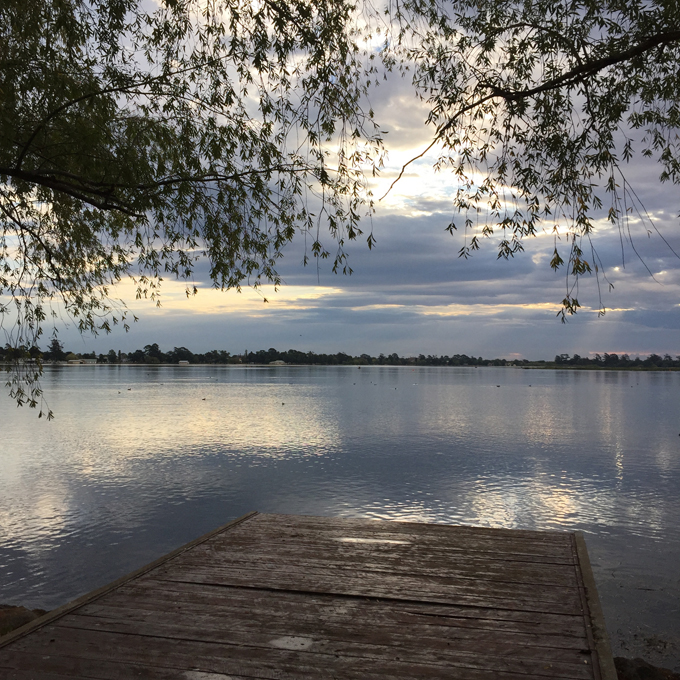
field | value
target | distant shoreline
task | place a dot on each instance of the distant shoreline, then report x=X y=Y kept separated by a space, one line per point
x=182 y=356
x=539 y=366
x=636 y=369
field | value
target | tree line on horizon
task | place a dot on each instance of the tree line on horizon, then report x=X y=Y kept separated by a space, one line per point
x=152 y=354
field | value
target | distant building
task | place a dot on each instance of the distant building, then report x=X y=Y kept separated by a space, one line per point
x=278 y=362
x=183 y=362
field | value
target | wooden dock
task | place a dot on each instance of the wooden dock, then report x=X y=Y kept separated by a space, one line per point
x=292 y=597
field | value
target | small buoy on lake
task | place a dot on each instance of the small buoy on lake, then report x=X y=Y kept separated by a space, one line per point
x=283 y=403
x=129 y=389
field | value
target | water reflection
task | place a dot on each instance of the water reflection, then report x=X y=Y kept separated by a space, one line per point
x=140 y=461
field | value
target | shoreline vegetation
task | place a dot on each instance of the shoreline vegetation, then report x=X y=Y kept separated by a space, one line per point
x=152 y=354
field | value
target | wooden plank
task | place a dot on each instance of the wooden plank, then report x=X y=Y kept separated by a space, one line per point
x=317 y=624
x=208 y=667
x=249 y=632
x=26 y=666
x=394 y=587
x=387 y=537
x=298 y=522
x=453 y=551
x=520 y=552
x=328 y=538
x=237 y=603
x=249 y=659
x=482 y=579
x=417 y=529
x=165 y=596
x=458 y=565
x=371 y=644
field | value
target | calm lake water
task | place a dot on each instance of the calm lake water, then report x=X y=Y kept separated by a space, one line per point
x=142 y=460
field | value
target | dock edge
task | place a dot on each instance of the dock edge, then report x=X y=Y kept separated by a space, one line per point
x=599 y=629
x=99 y=592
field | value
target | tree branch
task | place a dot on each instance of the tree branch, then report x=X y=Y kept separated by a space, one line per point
x=575 y=75
x=82 y=194
x=86 y=190
x=587 y=69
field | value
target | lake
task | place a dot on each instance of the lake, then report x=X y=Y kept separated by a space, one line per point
x=140 y=460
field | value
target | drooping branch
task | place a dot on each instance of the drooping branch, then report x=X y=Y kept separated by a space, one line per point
x=576 y=75
x=108 y=201
x=586 y=69
x=88 y=191
x=127 y=88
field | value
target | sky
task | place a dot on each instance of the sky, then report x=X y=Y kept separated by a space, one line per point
x=412 y=294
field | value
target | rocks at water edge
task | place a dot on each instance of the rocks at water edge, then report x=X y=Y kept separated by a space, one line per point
x=639 y=669
x=12 y=617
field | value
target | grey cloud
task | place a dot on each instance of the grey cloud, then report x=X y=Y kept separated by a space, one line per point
x=653 y=318
x=401 y=114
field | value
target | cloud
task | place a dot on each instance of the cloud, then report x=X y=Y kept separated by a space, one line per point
x=649 y=318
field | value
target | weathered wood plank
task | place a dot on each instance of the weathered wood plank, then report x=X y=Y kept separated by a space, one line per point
x=409 y=538
x=247 y=659
x=372 y=645
x=263 y=569
x=410 y=551
x=299 y=522
x=212 y=668
x=286 y=604
x=26 y=666
x=248 y=606
x=328 y=538
x=459 y=565
x=390 y=538
x=215 y=627
x=564 y=555
x=393 y=587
